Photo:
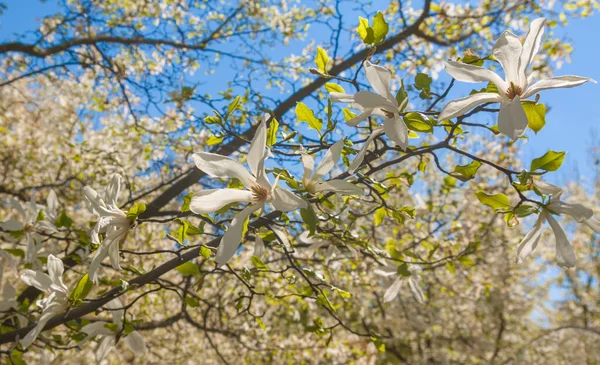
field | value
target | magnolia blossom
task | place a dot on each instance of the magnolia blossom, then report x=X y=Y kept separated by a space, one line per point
x=9 y=299
x=565 y=255
x=57 y=299
x=313 y=176
x=30 y=221
x=113 y=222
x=258 y=190
x=381 y=103
x=515 y=58
x=316 y=243
x=134 y=340
x=412 y=280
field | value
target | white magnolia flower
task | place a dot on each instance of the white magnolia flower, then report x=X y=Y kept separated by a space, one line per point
x=134 y=340
x=515 y=58
x=9 y=298
x=112 y=221
x=413 y=282
x=57 y=299
x=565 y=255
x=313 y=176
x=381 y=103
x=29 y=223
x=315 y=243
x=258 y=190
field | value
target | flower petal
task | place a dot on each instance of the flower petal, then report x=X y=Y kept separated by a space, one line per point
x=364 y=114
x=416 y=290
x=233 y=236
x=208 y=201
x=329 y=160
x=341 y=97
x=55 y=270
x=530 y=48
x=579 y=212
x=392 y=291
x=286 y=201
x=112 y=190
x=136 y=343
x=470 y=73
x=106 y=345
x=379 y=78
x=547 y=188
x=256 y=152
x=567 y=81
x=11 y=225
x=594 y=224
x=460 y=106
x=224 y=167
x=397 y=131
x=308 y=162
x=565 y=255
x=51 y=205
x=531 y=240
x=371 y=100
x=363 y=151
x=101 y=253
x=512 y=120
x=507 y=51
x=96 y=328
x=37 y=279
x=339 y=187
x=259 y=246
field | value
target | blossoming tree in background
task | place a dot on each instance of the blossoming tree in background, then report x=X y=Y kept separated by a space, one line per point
x=384 y=217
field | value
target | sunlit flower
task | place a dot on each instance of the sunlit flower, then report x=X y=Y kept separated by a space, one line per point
x=258 y=190
x=405 y=273
x=515 y=58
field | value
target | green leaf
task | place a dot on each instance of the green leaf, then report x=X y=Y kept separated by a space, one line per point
x=451 y=267
x=380 y=214
x=334 y=88
x=401 y=95
x=186 y=202
x=423 y=83
x=417 y=122
x=536 y=116
x=272 y=132
x=188 y=269
x=467 y=172
x=136 y=210
x=550 y=161
x=82 y=289
x=192 y=302
x=235 y=104
x=213 y=140
x=495 y=201
x=257 y=262
x=305 y=114
x=309 y=218
x=205 y=252
x=63 y=220
x=380 y=28
x=322 y=60
x=524 y=210
x=365 y=32
x=348 y=114
x=403 y=270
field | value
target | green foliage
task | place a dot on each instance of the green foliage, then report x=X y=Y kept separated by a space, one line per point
x=550 y=161
x=188 y=269
x=135 y=211
x=423 y=84
x=305 y=114
x=272 y=132
x=82 y=289
x=498 y=202
x=322 y=60
x=536 y=115
x=373 y=35
x=466 y=172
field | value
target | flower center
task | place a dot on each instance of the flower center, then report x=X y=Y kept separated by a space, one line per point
x=388 y=114
x=259 y=194
x=513 y=90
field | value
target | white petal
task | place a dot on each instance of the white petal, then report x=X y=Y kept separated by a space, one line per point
x=566 y=82
x=101 y=253
x=531 y=240
x=11 y=225
x=594 y=224
x=97 y=328
x=364 y=114
x=512 y=120
x=55 y=270
x=416 y=290
x=113 y=254
x=329 y=160
x=208 y=201
x=396 y=130
x=51 y=204
x=460 y=106
x=112 y=190
x=36 y=278
x=339 y=186
x=363 y=151
x=470 y=73
x=379 y=78
x=308 y=162
x=392 y=291
x=136 y=343
x=233 y=236
x=34 y=333
x=106 y=345
x=286 y=201
x=565 y=255
x=530 y=47
x=256 y=152
x=224 y=167
x=259 y=246
x=579 y=212
x=507 y=51
x=371 y=100
x=547 y=188
x=341 y=97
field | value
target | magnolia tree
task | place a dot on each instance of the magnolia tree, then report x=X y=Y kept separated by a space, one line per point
x=291 y=182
